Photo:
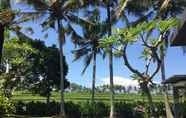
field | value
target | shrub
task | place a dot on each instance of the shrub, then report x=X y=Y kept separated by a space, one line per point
x=72 y=110
x=20 y=108
x=101 y=109
x=37 y=108
x=43 y=109
x=98 y=109
x=123 y=109
x=6 y=106
x=160 y=108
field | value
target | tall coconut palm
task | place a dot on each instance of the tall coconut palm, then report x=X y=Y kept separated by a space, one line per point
x=9 y=21
x=56 y=12
x=110 y=63
x=85 y=49
x=115 y=11
x=88 y=47
x=113 y=14
x=110 y=17
x=5 y=18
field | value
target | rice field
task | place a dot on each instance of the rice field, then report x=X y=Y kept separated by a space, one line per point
x=81 y=96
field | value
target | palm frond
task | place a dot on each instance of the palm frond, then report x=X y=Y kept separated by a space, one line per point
x=70 y=5
x=79 y=53
x=139 y=7
x=121 y=8
x=125 y=19
x=142 y=19
x=22 y=17
x=75 y=37
x=87 y=62
x=39 y=5
x=48 y=23
x=22 y=36
x=77 y=19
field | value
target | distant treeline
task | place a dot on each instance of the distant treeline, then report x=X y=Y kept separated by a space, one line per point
x=155 y=89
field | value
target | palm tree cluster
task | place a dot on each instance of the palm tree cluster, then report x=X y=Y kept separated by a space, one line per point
x=61 y=15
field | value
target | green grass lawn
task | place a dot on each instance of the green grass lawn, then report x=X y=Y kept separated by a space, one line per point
x=82 y=96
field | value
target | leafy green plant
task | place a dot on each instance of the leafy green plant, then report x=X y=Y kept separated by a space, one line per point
x=124 y=109
x=130 y=35
x=72 y=110
x=98 y=109
x=6 y=106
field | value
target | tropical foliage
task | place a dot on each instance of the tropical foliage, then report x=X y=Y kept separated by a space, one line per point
x=151 y=46
x=6 y=106
x=31 y=65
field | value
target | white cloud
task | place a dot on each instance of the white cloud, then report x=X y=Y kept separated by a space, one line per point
x=17 y=1
x=118 y=81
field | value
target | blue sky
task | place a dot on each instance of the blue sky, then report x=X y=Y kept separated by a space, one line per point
x=175 y=59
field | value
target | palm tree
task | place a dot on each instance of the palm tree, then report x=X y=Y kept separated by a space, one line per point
x=113 y=15
x=57 y=12
x=1 y=39
x=8 y=21
x=5 y=18
x=88 y=47
x=110 y=18
x=110 y=63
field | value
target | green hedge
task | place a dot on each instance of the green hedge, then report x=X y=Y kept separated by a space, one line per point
x=86 y=109
x=82 y=109
x=43 y=109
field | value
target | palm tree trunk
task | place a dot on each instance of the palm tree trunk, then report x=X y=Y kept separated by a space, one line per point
x=62 y=105
x=162 y=66
x=167 y=106
x=1 y=40
x=112 y=114
x=111 y=84
x=94 y=76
